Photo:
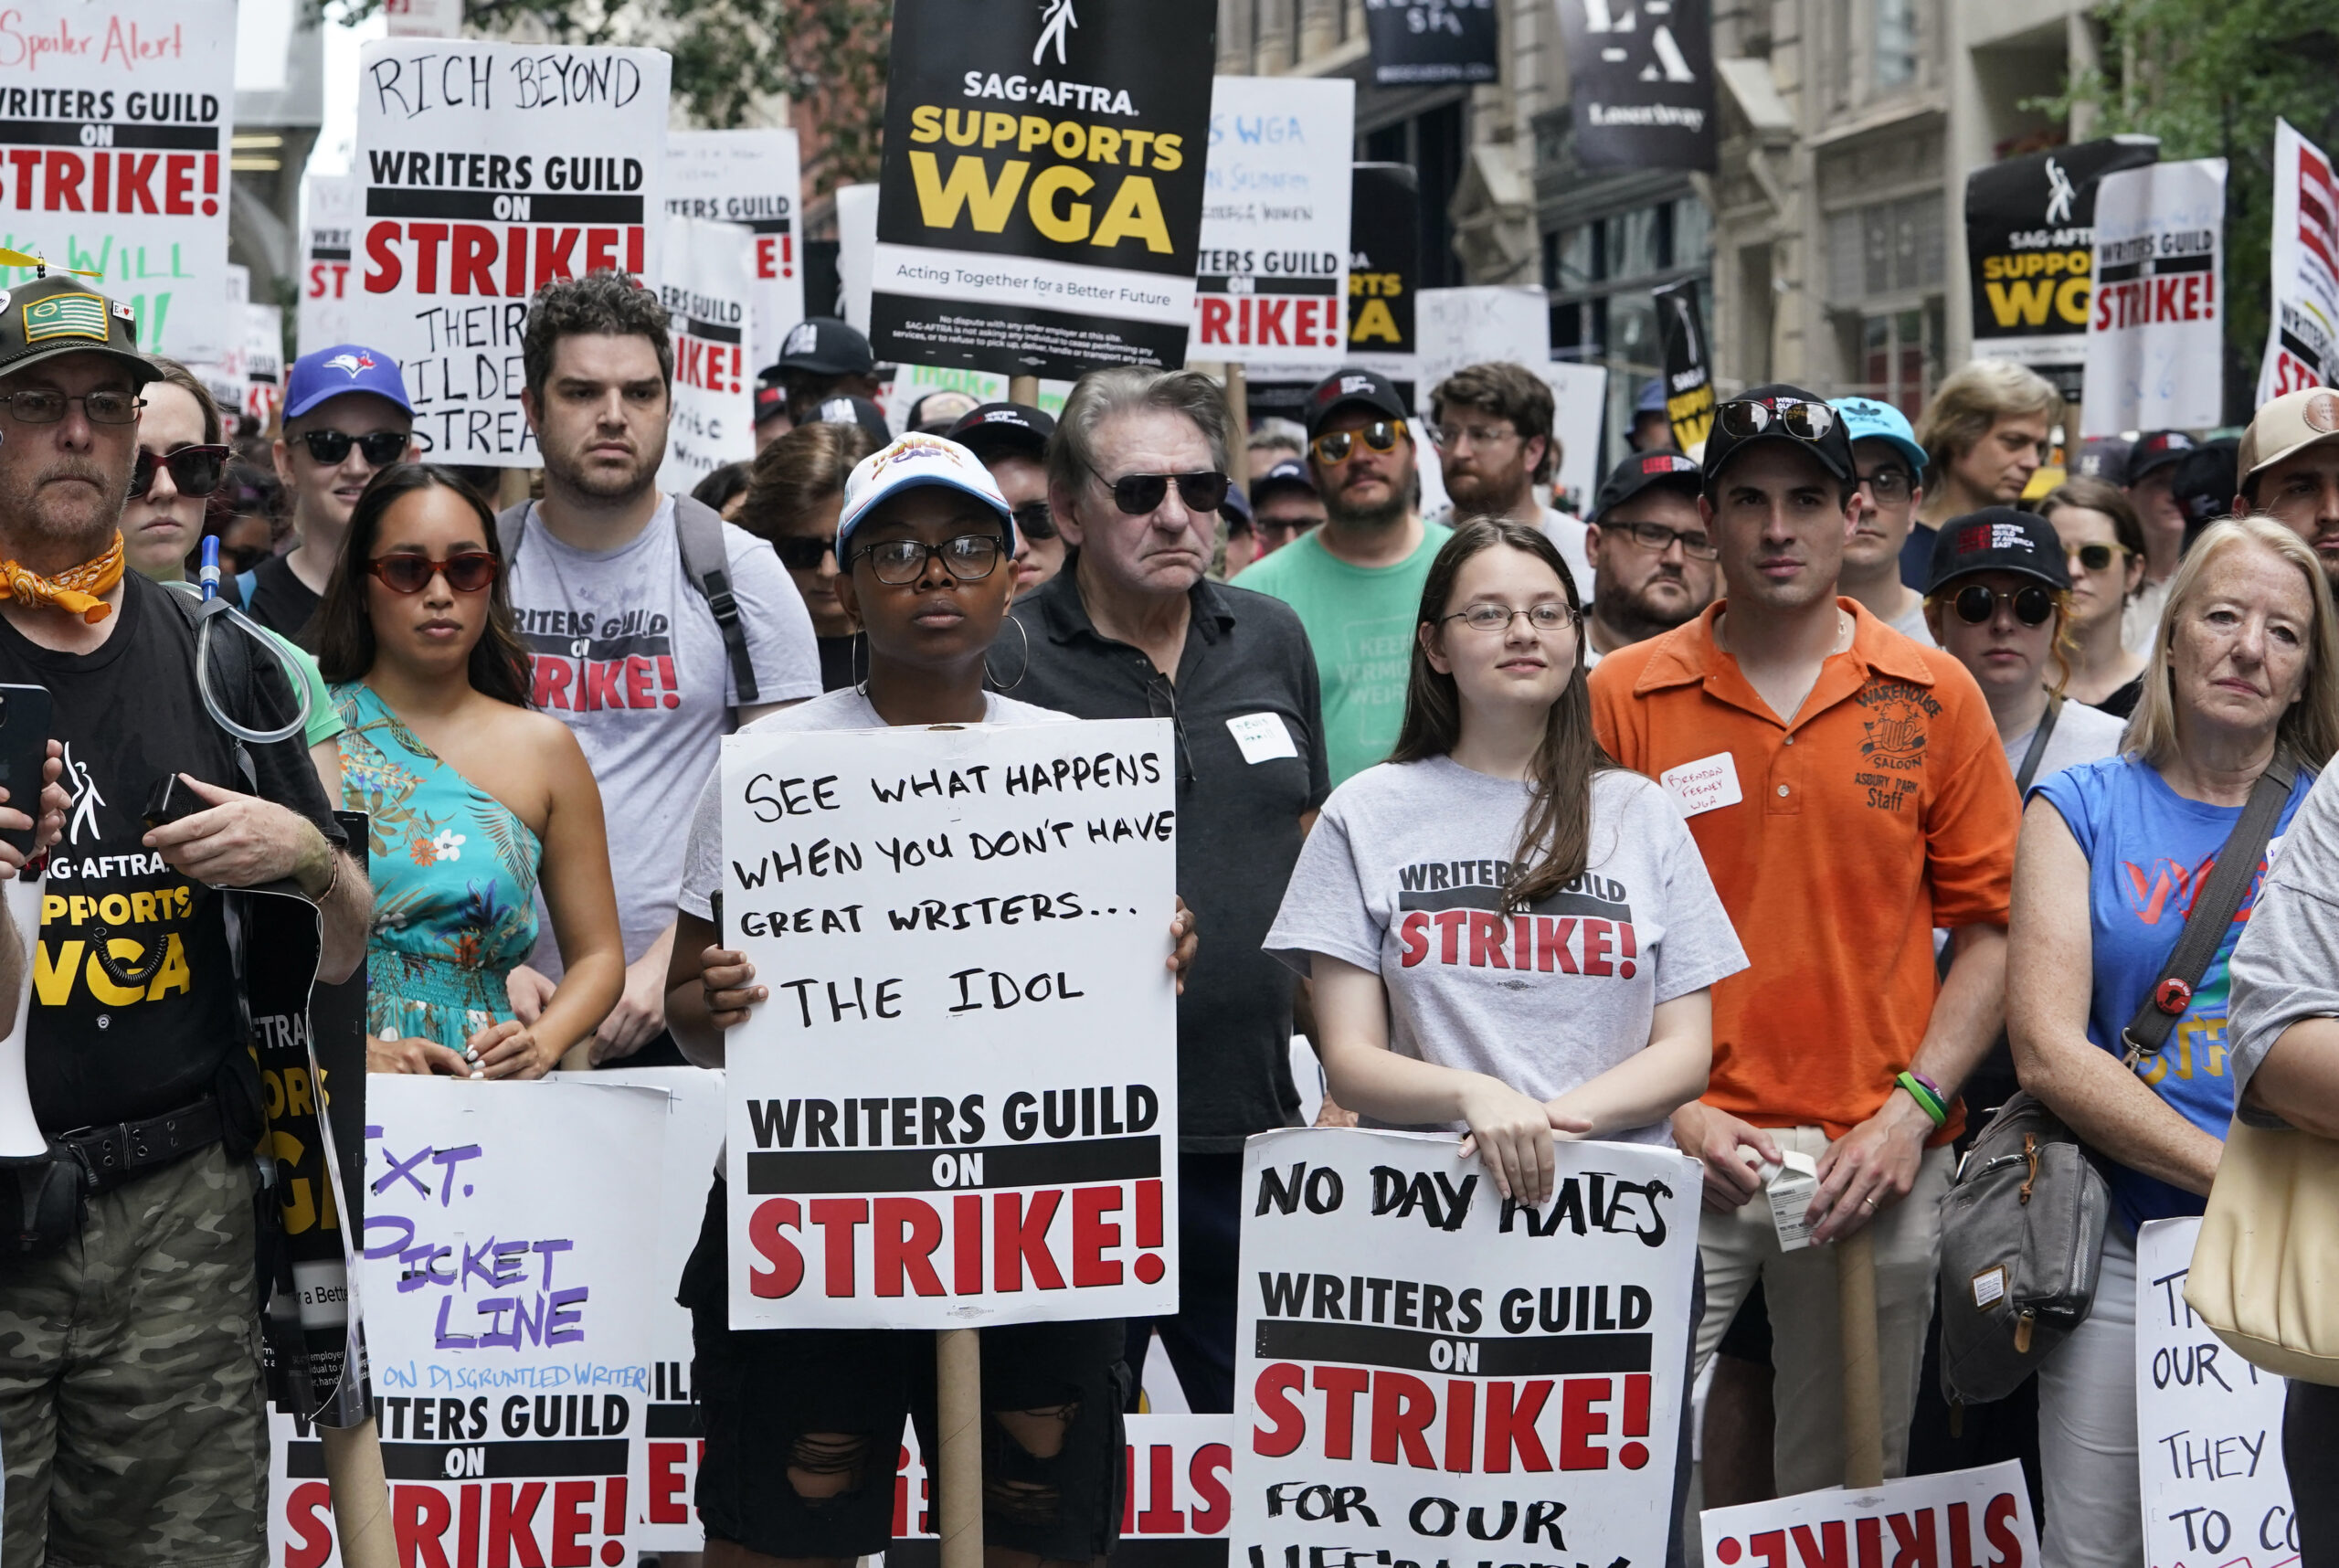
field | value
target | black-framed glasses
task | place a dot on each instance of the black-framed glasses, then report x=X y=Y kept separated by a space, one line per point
x=2096 y=557
x=1551 y=615
x=1887 y=485
x=1657 y=538
x=1338 y=445
x=194 y=469
x=1037 y=520
x=1806 y=420
x=331 y=448
x=969 y=558
x=1141 y=494
x=1975 y=603
x=802 y=553
x=45 y=405
x=467 y=571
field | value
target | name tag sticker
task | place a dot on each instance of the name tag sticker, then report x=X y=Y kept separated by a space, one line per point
x=1989 y=1286
x=1262 y=737
x=1704 y=785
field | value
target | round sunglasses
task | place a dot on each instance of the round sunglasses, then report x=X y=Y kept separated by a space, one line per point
x=1338 y=445
x=1141 y=494
x=331 y=448
x=1976 y=603
x=467 y=571
x=194 y=469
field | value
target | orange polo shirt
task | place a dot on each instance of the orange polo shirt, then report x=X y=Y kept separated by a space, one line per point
x=1837 y=843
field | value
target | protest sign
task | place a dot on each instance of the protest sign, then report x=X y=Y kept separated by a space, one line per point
x=1641 y=78
x=1427 y=1369
x=1473 y=325
x=923 y=1132
x=1967 y=1519
x=2302 y=332
x=1579 y=399
x=707 y=289
x=1688 y=366
x=856 y=245
x=1274 y=261
x=1042 y=184
x=2208 y=1426
x=2155 y=331
x=263 y=362
x=115 y=157
x=333 y=204
x=458 y=237
x=1422 y=41
x=1384 y=268
x=508 y=1299
x=751 y=178
x=911 y=382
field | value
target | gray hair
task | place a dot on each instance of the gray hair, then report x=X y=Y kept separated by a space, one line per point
x=1122 y=390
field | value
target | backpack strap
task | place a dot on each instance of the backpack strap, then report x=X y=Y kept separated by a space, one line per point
x=2212 y=913
x=698 y=528
x=2037 y=751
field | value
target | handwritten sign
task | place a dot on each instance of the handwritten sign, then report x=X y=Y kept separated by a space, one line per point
x=707 y=293
x=333 y=206
x=113 y=158
x=1967 y=1517
x=1274 y=269
x=1428 y=1370
x=491 y=169
x=2208 y=1426
x=751 y=178
x=927 y=1125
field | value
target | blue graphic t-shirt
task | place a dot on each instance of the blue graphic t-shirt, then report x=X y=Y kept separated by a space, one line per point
x=2149 y=853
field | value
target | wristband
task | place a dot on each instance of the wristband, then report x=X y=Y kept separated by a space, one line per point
x=1928 y=1099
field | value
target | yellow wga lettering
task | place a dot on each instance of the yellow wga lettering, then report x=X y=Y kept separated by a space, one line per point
x=987 y=195
x=131 y=969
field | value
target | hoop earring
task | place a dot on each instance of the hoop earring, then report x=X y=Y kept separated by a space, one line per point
x=1021 y=671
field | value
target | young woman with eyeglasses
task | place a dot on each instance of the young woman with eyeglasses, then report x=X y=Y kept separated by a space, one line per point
x=793 y=492
x=802 y=1425
x=2103 y=550
x=475 y=799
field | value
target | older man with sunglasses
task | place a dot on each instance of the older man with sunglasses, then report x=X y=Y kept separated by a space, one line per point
x=1131 y=628
x=1357 y=580
x=346 y=417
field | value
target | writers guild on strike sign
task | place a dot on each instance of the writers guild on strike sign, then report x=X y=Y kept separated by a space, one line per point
x=1960 y=1519
x=1428 y=1371
x=921 y=1132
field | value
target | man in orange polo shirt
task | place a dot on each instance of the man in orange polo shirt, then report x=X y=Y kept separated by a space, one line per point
x=1849 y=791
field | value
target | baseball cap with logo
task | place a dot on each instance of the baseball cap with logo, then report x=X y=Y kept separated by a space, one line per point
x=2285 y=427
x=344 y=367
x=1352 y=384
x=57 y=315
x=1867 y=419
x=2157 y=449
x=845 y=410
x=1289 y=474
x=771 y=398
x=997 y=429
x=1997 y=539
x=910 y=463
x=826 y=346
x=1783 y=411
x=1639 y=472
x=2104 y=458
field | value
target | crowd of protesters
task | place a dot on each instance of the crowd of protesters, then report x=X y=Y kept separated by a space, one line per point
x=1912 y=744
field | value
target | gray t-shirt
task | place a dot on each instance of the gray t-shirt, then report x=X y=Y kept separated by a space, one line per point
x=1911 y=624
x=2081 y=734
x=2285 y=967
x=1402 y=876
x=701 y=859
x=628 y=655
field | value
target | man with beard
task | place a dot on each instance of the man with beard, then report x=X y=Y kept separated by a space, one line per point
x=2289 y=467
x=655 y=626
x=1357 y=580
x=1652 y=559
x=1495 y=446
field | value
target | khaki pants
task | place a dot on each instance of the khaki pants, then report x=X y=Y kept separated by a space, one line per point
x=1806 y=1338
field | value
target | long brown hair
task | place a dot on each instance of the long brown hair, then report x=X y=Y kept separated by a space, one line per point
x=342 y=627
x=798 y=472
x=1554 y=838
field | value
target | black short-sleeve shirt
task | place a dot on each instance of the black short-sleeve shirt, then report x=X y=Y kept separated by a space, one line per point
x=97 y=1050
x=281 y=601
x=1250 y=762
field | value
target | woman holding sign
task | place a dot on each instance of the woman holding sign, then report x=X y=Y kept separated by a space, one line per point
x=923 y=539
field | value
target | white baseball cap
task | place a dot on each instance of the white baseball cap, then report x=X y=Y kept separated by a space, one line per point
x=908 y=463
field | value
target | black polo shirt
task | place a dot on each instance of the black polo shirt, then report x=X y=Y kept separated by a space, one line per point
x=1246 y=689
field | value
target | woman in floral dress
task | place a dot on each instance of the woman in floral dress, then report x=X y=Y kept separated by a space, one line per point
x=473 y=795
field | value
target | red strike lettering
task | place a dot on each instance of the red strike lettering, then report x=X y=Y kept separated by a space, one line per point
x=787 y=1270
x=1413 y=931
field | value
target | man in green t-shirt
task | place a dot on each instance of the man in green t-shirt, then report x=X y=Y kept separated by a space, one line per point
x=1357 y=581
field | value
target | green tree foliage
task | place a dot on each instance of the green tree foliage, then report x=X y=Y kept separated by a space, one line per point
x=2209 y=78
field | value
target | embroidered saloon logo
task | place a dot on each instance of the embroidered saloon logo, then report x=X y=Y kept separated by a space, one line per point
x=1896 y=723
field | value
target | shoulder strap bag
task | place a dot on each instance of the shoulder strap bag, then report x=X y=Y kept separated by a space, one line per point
x=2022 y=1227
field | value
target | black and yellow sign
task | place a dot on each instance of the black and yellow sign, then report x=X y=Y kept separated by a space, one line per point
x=1689 y=365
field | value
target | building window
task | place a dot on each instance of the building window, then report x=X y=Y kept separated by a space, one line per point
x=1571 y=258
x=1889 y=247
x=1895 y=44
x=1899 y=356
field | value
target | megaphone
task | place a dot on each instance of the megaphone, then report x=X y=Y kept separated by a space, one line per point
x=20 y=1134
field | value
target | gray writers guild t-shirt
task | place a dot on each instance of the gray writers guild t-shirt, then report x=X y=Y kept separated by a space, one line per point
x=1403 y=876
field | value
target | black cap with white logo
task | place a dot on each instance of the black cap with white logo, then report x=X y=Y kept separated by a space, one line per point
x=2157 y=449
x=1642 y=469
x=996 y=430
x=853 y=411
x=1352 y=384
x=1779 y=413
x=1997 y=539
x=826 y=346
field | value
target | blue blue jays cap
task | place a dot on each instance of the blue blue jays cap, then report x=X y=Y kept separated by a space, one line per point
x=343 y=367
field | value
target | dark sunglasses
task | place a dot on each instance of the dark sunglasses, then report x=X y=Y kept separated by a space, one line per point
x=2096 y=557
x=1140 y=494
x=1975 y=604
x=331 y=448
x=804 y=554
x=467 y=571
x=1034 y=520
x=1336 y=446
x=195 y=470
x=1803 y=420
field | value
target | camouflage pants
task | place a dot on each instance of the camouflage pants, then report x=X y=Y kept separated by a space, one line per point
x=130 y=1416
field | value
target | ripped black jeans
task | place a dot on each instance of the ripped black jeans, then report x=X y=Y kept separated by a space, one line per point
x=803 y=1427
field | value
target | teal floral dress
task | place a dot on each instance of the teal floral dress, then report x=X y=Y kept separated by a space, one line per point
x=454 y=876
